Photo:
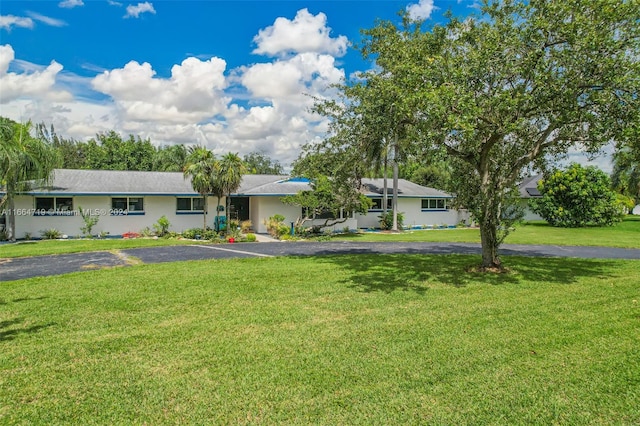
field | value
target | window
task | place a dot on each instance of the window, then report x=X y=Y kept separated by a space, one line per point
x=377 y=204
x=127 y=205
x=186 y=205
x=54 y=206
x=435 y=204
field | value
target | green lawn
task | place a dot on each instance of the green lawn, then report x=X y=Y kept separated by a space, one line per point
x=367 y=339
x=44 y=247
x=625 y=235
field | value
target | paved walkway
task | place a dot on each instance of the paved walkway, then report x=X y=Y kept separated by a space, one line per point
x=15 y=269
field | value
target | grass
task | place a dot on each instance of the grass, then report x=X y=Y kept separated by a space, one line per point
x=624 y=235
x=367 y=339
x=45 y=247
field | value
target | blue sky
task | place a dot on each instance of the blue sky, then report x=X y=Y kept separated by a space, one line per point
x=232 y=75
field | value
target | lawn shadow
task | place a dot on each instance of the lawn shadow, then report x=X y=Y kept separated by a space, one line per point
x=7 y=332
x=415 y=272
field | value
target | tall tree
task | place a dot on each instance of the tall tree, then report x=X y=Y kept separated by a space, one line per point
x=201 y=168
x=229 y=176
x=625 y=177
x=259 y=163
x=521 y=84
x=23 y=159
x=170 y=158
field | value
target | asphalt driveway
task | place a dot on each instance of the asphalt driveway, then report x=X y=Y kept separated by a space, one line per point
x=15 y=269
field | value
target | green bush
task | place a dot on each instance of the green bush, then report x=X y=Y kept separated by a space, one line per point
x=251 y=238
x=276 y=226
x=161 y=227
x=51 y=234
x=89 y=222
x=578 y=196
x=386 y=220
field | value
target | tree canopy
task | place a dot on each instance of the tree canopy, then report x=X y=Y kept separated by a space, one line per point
x=511 y=89
x=24 y=158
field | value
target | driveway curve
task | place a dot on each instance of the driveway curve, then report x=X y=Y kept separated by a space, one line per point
x=20 y=268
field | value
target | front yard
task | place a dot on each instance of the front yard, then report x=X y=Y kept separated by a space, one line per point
x=368 y=339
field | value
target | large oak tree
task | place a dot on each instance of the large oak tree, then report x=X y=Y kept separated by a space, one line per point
x=515 y=87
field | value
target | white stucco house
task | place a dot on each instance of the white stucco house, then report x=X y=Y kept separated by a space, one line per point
x=129 y=201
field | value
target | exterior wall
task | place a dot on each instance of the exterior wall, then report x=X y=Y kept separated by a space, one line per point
x=528 y=214
x=154 y=208
x=413 y=215
x=262 y=208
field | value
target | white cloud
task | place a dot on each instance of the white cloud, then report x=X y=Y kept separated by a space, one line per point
x=135 y=11
x=70 y=4
x=38 y=83
x=304 y=73
x=306 y=33
x=114 y=3
x=192 y=93
x=7 y=21
x=421 y=10
x=53 y=22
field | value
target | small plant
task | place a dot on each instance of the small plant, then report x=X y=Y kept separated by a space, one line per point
x=251 y=238
x=246 y=226
x=3 y=235
x=161 y=227
x=27 y=236
x=208 y=235
x=89 y=222
x=146 y=232
x=276 y=226
x=386 y=220
x=51 y=234
x=103 y=234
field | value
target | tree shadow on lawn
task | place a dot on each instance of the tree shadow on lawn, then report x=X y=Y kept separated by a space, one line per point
x=7 y=333
x=414 y=272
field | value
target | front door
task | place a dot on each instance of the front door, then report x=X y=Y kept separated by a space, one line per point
x=239 y=208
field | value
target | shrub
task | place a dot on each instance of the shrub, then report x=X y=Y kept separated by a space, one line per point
x=161 y=227
x=130 y=235
x=3 y=235
x=251 y=237
x=51 y=234
x=386 y=220
x=89 y=222
x=27 y=236
x=246 y=226
x=276 y=226
x=209 y=234
x=578 y=196
x=191 y=233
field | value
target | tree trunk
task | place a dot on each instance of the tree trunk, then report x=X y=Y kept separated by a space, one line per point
x=489 y=241
x=11 y=217
x=204 y=213
x=385 y=196
x=395 y=185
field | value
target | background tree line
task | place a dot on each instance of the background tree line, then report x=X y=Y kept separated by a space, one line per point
x=110 y=151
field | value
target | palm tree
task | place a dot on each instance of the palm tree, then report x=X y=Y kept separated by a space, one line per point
x=23 y=159
x=201 y=167
x=626 y=171
x=231 y=169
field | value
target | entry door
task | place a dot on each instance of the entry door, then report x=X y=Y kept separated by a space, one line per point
x=239 y=208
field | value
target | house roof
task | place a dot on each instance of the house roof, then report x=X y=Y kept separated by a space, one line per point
x=529 y=187
x=111 y=182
